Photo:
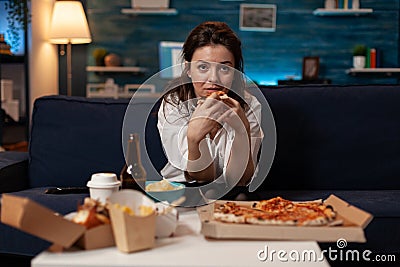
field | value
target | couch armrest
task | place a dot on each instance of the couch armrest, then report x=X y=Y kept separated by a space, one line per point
x=13 y=171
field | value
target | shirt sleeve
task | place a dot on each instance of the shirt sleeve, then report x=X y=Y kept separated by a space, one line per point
x=256 y=133
x=172 y=126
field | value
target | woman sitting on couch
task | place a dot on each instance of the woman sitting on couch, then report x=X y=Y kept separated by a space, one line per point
x=208 y=123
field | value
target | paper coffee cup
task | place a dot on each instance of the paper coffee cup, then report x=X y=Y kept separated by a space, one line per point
x=102 y=185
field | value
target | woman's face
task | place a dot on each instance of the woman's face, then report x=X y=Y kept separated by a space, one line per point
x=211 y=69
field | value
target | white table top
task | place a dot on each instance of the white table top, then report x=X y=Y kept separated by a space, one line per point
x=187 y=248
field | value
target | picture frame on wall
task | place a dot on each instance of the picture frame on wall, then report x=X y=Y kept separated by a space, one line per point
x=169 y=59
x=257 y=17
x=310 y=68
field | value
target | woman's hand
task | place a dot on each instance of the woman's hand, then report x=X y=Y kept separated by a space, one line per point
x=206 y=118
x=235 y=116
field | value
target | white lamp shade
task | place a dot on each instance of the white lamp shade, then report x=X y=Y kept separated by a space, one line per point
x=69 y=24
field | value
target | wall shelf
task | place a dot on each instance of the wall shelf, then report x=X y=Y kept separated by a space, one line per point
x=4 y=59
x=134 y=11
x=116 y=69
x=385 y=71
x=342 y=12
x=97 y=90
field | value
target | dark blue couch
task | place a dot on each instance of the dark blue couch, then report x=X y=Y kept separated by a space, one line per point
x=343 y=140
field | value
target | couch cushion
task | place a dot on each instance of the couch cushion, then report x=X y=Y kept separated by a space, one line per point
x=13 y=171
x=335 y=137
x=74 y=137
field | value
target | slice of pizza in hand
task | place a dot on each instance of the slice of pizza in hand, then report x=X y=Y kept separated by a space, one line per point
x=221 y=95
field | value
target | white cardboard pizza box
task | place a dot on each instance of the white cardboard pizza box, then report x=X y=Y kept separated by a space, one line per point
x=35 y=219
x=352 y=229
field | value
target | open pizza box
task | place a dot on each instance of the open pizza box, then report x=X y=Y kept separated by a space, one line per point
x=33 y=218
x=352 y=229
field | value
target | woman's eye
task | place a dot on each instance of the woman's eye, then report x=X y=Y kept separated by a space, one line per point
x=203 y=67
x=225 y=68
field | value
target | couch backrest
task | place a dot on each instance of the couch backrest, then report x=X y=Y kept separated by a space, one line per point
x=74 y=137
x=328 y=137
x=335 y=137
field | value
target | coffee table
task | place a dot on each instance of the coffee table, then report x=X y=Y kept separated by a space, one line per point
x=187 y=248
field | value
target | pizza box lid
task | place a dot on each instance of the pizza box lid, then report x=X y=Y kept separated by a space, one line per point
x=352 y=229
x=349 y=212
x=33 y=218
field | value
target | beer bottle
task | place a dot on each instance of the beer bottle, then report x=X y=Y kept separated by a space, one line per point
x=133 y=175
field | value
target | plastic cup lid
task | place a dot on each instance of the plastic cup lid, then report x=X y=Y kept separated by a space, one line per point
x=103 y=180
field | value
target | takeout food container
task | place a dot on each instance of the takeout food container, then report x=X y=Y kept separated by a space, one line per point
x=166 y=221
x=132 y=232
x=33 y=218
x=354 y=222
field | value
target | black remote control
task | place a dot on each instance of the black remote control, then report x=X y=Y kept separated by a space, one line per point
x=67 y=190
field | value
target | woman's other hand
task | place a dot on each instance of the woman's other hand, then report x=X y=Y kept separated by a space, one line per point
x=235 y=116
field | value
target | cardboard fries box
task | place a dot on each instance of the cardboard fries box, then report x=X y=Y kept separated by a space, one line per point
x=135 y=233
x=132 y=232
x=33 y=218
x=354 y=222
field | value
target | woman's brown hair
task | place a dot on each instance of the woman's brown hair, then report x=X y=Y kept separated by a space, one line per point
x=207 y=33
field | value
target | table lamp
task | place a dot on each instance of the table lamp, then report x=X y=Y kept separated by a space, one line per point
x=69 y=26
